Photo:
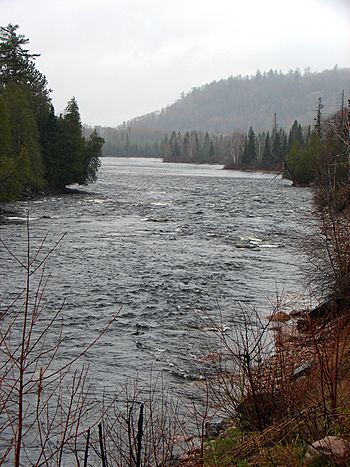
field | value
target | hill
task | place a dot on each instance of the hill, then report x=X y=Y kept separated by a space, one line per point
x=236 y=103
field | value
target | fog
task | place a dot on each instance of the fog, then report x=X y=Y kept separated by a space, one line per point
x=124 y=58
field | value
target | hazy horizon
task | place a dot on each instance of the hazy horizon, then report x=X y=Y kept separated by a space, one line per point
x=125 y=58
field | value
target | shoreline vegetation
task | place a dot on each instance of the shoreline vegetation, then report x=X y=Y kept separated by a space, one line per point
x=292 y=405
x=39 y=151
x=284 y=388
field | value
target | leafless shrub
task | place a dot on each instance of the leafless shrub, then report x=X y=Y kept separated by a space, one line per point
x=144 y=426
x=44 y=405
x=328 y=259
x=254 y=382
x=329 y=251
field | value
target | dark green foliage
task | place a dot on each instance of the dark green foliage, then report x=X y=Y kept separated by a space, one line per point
x=91 y=160
x=267 y=156
x=299 y=165
x=249 y=154
x=5 y=129
x=71 y=146
x=295 y=134
x=37 y=149
x=276 y=147
x=15 y=61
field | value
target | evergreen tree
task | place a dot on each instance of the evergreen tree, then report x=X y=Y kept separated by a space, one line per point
x=205 y=148
x=92 y=155
x=187 y=147
x=276 y=147
x=5 y=129
x=195 y=147
x=10 y=186
x=249 y=155
x=34 y=143
x=16 y=63
x=211 y=153
x=24 y=134
x=285 y=147
x=267 y=156
x=296 y=134
x=69 y=165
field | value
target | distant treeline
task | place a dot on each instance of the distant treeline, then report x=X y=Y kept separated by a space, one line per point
x=38 y=150
x=292 y=152
x=129 y=142
x=266 y=150
x=228 y=107
x=299 y=153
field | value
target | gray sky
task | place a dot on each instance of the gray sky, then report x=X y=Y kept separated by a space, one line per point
x=124 y=58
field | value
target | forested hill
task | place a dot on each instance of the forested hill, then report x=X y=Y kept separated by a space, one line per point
x=236 y=103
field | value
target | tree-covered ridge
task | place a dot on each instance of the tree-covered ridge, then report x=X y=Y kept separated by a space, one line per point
x=236 y=103
x=38 y=150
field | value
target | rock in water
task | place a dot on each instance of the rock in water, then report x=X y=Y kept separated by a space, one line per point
x=331 y=448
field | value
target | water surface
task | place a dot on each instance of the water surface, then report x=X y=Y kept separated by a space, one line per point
x=167 y=247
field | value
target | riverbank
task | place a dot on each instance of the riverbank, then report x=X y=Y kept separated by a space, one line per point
x=307 y=401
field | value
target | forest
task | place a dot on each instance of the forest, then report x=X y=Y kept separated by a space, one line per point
x=296 y=152
x=236 y=103
x=39 y=151
x=273 y=109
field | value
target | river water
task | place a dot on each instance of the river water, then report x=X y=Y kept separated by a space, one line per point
x=170 y=249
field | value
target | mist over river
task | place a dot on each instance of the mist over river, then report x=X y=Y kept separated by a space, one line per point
x=167 y=247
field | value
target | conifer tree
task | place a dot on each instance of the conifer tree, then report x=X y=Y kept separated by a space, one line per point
x=34 y=143
x=91 y=161
x=266 y=157
x=249 y=155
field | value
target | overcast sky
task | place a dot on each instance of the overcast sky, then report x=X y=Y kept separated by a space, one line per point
x=124 y=58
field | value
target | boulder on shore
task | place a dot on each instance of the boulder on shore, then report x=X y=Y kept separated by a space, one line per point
x=331 y=448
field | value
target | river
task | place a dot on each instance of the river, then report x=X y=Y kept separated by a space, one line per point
x=169 y=249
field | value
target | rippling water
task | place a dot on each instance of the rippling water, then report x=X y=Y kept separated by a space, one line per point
x=167 y=247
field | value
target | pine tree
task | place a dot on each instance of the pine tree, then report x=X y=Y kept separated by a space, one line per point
x=276 y=147
x=16 y=63
x=296 y=134
x=267 y=156
x=249 y=155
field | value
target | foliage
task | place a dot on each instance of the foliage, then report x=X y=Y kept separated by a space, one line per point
x=38 y=150
x=302 y=162
x=249 y=153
